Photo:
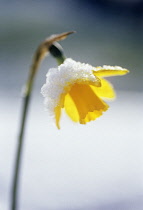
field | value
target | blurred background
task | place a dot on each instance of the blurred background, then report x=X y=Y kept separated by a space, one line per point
x=98 y=166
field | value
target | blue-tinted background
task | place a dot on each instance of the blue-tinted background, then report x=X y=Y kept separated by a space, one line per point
x=97 y=166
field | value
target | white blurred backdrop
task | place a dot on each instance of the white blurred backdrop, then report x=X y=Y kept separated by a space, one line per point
x=98 y=166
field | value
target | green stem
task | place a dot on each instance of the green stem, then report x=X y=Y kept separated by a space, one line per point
x=26 y=99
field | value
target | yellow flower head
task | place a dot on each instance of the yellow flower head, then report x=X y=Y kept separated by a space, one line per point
x=78 y=88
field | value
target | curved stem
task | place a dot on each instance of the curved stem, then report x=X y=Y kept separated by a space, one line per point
x=19 y=153
x=26 y=100
x=43 y=49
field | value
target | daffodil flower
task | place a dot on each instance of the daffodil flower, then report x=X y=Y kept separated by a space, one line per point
x=78 y=88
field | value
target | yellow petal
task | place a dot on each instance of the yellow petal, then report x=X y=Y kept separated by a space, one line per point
x=82 y=104
x=58 y=110
x=108 y=71
x=57 y=115
x=106 y=90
